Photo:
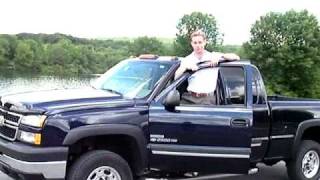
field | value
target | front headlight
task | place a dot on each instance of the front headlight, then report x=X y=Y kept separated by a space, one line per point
x=29 y=137
x=33 y=120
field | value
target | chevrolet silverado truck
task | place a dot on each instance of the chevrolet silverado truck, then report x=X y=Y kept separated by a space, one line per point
x=132 y=123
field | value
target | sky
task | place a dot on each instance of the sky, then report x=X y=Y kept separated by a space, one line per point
x=134 y=18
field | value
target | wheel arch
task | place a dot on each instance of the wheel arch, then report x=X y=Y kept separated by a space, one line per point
x=305 y=129
x=131 y=133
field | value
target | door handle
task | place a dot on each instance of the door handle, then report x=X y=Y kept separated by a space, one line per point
x=240 y=123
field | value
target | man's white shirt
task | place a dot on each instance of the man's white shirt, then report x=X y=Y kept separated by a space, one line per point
x=204 y=80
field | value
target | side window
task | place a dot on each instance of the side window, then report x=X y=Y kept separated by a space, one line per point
x=234 y=83
x=258 y=90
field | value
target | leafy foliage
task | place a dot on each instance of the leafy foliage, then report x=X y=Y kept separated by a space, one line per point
x=286 y=48
x=190 y=23
x=59 y=54
x=146 y=45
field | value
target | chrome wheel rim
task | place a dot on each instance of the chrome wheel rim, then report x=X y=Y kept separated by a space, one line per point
x=104 y=173
x=310 y=164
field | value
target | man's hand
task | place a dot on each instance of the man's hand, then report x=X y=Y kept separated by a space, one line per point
x=214 y=62
x=228 y=56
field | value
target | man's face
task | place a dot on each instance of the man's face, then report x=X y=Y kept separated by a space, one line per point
x=198 y=44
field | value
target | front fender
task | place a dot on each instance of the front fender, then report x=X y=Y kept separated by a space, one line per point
x=112 y=129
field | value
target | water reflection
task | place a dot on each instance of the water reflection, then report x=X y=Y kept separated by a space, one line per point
x=16 y=84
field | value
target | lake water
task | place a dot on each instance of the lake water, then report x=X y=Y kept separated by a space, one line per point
x=16 y=84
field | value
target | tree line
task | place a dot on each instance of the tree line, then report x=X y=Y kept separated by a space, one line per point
x=284 y=46
x=59 y=54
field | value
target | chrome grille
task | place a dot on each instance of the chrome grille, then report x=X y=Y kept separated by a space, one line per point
x=8 y=133
x=11 y=118
x=9 y=124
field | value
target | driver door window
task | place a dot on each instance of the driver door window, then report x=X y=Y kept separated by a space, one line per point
x=230 y=88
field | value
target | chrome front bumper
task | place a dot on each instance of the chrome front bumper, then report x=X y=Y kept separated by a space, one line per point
x=49 y=170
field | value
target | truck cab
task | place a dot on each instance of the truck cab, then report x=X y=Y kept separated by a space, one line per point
x=220 y=138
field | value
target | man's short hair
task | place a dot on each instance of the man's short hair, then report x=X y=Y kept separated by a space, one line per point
x=198 y=33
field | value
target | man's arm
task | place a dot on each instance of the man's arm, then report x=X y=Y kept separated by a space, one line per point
x=184 y=66
x=179 y=72
x=230 y=56
x=217 y=57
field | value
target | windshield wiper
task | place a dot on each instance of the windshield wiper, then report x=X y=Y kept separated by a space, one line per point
x=113 y=91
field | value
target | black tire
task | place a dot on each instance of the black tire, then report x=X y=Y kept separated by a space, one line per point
x=294 y=166
x=90 y=161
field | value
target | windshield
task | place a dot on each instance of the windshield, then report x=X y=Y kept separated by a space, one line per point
x=132 y=79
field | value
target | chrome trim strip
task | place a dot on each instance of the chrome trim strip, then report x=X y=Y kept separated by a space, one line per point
x=283 y=136
x=295 y=102
x=260 y=139
x=295 y=107
x=156 y=108
x=11 y=123
x=256 y=144
x=11 y=126
x=50 y=170
x=170 y=153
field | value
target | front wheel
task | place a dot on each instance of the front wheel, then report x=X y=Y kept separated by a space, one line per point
x=306 y=164
x=100 y=165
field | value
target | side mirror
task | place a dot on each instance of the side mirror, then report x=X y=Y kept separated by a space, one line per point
x=172 y=99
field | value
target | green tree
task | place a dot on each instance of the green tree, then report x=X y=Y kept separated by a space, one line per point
x=190 y=23
x=286 y=48
x=109 y=57
x=39 y=55
x=8 y=45
x=26 y=59
x=146 y=45
x=58 y=58
x=237 y=49
x=4 y=49
x=59 y=54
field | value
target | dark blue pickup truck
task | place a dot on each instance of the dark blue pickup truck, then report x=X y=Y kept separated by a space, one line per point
x=131 y=123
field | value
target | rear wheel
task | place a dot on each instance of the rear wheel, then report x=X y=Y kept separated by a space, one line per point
x=100 y=165
x=306 y=164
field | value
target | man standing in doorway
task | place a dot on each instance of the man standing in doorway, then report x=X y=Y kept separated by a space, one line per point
x=202 y=84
